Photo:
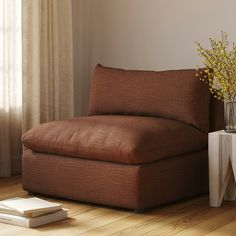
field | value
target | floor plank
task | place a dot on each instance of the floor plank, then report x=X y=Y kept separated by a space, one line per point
x=226 y=230
x=192 y=217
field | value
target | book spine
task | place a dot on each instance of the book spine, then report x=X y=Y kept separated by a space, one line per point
x=9 y=219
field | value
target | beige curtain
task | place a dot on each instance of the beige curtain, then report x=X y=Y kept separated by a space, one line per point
x=10 y=87
x=47 y=61
x=46 y=83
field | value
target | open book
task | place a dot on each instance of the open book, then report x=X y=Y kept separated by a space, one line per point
x=29 y=207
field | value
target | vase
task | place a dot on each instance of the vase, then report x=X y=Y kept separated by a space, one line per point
x=230 y=116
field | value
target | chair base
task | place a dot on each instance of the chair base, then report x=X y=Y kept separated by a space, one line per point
x=120 y=185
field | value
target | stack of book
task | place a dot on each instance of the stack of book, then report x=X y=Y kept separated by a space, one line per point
x=30 y=212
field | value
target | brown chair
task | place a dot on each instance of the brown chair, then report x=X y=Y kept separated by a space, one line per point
x=143 y=143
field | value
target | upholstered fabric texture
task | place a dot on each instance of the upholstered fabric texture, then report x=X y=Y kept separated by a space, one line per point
x=120 y=139
x=216 y=114
x=176 y=94
x=129 y=186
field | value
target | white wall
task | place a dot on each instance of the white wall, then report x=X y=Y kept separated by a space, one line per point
x=146 y=34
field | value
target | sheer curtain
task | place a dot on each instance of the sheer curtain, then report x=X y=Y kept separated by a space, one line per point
x=37 y=86
x=48 y=84
x=10 y=87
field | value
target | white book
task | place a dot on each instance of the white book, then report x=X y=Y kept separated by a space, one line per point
x=33 y=222
x=7 y=210
x=28 y=206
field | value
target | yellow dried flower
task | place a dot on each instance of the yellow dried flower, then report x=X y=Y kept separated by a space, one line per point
x=220 y=67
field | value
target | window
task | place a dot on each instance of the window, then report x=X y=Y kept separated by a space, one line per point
x=10 y=54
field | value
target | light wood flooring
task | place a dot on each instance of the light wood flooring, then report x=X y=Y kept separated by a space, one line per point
x=186 y=218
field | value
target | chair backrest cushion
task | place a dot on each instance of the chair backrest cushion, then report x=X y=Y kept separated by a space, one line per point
x=216 y=115
x=175 y=94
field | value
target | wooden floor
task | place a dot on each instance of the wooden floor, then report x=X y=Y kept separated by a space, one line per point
x=191 y=217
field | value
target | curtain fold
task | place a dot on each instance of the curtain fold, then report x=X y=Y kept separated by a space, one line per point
x=10 y=87
x=36 y=71
x=48 y=85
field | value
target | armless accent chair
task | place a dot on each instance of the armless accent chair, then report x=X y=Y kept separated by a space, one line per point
x=142 y=144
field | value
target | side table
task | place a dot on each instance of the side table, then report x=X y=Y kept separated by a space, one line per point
x=222 y=167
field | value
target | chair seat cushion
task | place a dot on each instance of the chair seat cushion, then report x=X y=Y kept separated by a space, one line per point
x=116 y=138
